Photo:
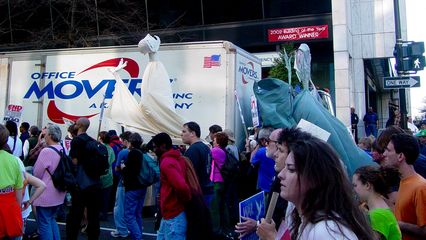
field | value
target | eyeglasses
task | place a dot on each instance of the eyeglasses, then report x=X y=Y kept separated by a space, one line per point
x=271 y=141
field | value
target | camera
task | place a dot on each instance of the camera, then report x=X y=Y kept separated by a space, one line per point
x=251 y=130
x=252 y=142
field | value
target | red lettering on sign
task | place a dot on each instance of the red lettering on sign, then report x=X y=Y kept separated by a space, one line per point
x=14 y=108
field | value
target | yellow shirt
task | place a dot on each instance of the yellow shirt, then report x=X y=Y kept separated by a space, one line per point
x=10 y=172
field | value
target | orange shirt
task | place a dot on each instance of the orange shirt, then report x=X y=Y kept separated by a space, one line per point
x=410 y=206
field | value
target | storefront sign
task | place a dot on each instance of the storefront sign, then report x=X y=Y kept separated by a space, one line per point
x=297 y=33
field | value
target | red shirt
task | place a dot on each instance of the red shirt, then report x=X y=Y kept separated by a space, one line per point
x=175 y=191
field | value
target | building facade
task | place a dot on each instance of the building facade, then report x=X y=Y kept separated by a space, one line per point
x=351 y=41
x=363 y=44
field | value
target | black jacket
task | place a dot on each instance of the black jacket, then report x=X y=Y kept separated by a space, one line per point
x=132 y=170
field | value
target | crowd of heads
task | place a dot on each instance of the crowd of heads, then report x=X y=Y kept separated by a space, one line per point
x=311 y=174
x=315 y=180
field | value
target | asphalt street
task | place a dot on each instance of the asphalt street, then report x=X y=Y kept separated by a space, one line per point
x=106 y=228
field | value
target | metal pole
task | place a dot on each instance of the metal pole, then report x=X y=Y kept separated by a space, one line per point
x=10 y=21
x=97 y=23
x=398 y=35
x=51 y=19
x=101 y=117
x=241 y=114
x=147 y=15
x=202 y=12
x=202 y=20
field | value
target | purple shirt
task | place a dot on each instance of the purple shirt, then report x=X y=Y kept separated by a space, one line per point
x=48 y=159
x=219 y=157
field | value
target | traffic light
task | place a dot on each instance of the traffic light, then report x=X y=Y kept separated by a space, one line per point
x=409 y=56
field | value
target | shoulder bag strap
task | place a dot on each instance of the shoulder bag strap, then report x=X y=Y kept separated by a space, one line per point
x=58 y=152
x=14 y=143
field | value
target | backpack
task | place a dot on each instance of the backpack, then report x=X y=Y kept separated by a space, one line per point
x=97 y=164
x=230 y=168
x=149 y=172
x=63 y=178
x=197 y=213
x=116 y=146
x=33 y=153
x=30 y=159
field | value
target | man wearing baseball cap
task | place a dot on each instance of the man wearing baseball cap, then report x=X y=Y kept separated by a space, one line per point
x=420 y=163
x=421 y=136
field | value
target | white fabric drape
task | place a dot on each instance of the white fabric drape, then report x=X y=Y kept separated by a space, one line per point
x=155 y=112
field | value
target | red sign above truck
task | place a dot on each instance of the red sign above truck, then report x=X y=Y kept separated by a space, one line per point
x=297 y=33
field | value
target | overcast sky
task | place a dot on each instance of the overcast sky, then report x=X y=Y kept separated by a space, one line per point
x=416 y=19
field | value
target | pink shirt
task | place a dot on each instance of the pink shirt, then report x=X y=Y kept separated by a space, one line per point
x=218 y=156
x=48 y=159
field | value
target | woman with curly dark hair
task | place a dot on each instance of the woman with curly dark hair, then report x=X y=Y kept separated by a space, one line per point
x=218 y=206
x=371 y=185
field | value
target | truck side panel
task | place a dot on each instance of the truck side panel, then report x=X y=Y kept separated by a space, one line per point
x=247 y=71
x=18 y=87
x=74 y=82
x=4 y=72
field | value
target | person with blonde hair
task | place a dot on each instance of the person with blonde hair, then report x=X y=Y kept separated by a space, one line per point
x=365 y=144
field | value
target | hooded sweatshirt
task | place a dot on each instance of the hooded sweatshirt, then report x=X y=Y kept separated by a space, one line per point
x=175 y=191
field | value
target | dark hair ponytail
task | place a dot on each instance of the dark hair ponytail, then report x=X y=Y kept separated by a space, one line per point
x=391 y=176
x=296 y=222
x=381 y=178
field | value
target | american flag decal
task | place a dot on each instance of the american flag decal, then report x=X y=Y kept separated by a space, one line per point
x=212 y=61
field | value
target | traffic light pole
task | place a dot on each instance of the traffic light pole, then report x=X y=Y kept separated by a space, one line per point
x=398 y=35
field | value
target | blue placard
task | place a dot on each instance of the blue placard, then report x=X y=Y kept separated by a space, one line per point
x=254 y=208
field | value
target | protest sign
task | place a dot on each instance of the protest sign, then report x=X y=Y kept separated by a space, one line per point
x=13 y=113
x=254 y=208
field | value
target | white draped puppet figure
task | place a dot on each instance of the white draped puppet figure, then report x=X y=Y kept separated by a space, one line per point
x=155 y=112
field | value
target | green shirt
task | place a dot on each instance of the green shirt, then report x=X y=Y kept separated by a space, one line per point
x=383 y=221
x=10 y=171
x=107 y=179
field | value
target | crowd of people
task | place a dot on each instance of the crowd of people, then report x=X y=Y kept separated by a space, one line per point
x=198 y=199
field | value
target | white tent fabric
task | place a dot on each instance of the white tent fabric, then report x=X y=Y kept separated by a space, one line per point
x=155 y=112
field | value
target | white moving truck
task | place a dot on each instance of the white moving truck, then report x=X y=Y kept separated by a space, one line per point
x=60 y=85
